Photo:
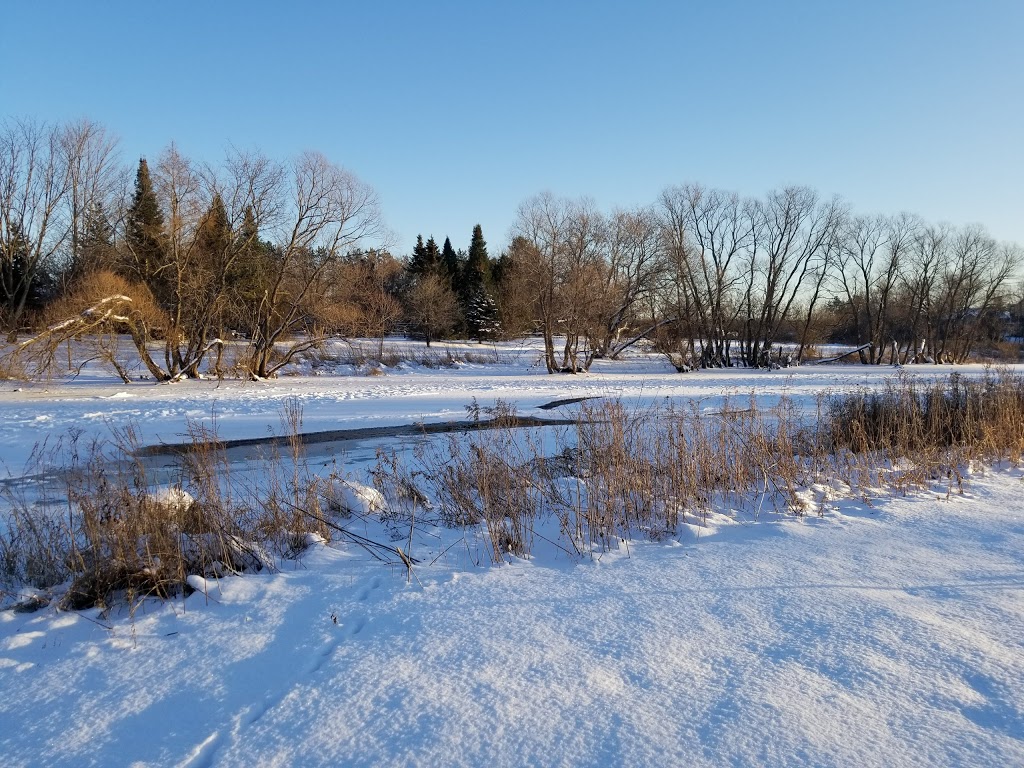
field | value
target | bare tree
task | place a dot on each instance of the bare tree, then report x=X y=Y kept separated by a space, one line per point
x=817 y=278
x=96 y=183
x=432 y=306
x=971 y=286
x=34 y=181
x=790 y=234
x=632 y=273
x=361 y=297
x=918 y=281
x=706 y=234
x=208 y=240
x=563 y=254
x=100 y=307
x=871 y=259
x=324 y=212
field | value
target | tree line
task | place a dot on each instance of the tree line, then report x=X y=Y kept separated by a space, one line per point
x=180 y=256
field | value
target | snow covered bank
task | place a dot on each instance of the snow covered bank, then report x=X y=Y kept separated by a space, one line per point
x=886 y=635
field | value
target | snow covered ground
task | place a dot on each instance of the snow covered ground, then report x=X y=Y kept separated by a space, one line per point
x=888 y=632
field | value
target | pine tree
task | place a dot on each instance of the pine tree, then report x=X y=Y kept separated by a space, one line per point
x=210 y=276
x=14 y=254
x=248 y=233
x=245 y=276
x=214 y=239
x=144 y=235
x=478 y=264
x=482 y=316
x=19 y=283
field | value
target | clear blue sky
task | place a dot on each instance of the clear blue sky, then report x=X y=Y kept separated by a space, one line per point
x=457 y=111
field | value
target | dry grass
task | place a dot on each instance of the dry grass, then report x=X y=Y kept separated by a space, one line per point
x=113 y=538
x=11 y=368
x=620 y=473
x=910 y=433
x=372 y=358
x=615 y=475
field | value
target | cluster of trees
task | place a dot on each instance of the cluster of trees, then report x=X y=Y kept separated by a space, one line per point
x=182 y=255
x=720 y=280
x=452 y=292
x=179 y=256
x=188 y=255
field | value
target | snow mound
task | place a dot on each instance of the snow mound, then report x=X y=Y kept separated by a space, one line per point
x=348 y=496
x=199 y=584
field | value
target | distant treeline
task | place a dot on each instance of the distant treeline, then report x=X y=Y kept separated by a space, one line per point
x=180 y=256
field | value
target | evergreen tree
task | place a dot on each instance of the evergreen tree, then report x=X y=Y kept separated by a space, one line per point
x=418 y=262
x=210 y=278
x=214 y=239
x=482 y=316
x=245 y=279
x=96 y=251
x=19 y=284
x=144 y=237
x=248 y=232
x=214 y=228
x=478 y=306
x=478 y=264
x=433 y=257
x=14 y=254
x=426 y=259
x=449 y=262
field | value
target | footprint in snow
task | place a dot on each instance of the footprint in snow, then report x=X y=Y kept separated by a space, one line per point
x=364 y=595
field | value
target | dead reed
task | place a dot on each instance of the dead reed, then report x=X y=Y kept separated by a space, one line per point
x=616 y=474
x=620 y=473
x=114 y=533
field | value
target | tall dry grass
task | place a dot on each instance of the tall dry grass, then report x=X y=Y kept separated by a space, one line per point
x=111 y=536
x=620 y=473
x=616 y=474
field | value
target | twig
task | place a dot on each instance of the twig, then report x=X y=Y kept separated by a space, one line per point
x=366 y=543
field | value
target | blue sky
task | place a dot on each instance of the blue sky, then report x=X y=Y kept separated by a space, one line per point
x=457 y=111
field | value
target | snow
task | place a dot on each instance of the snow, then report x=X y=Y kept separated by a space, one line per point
x=171 y=498
x=888 y=632
x=348 y=496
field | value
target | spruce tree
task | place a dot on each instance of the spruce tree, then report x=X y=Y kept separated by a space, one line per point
x=14 y=257
x=248 y=232
x=245 y=276
x=96 y=251
x=433 y=257
x=449 y=262
x=214 y=238
x=209 y=276
x=478 y=306
x=418 y=262
x=144 y=235
x=476 y=272
x=482 y=316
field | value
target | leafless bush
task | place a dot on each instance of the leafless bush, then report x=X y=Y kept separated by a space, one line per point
x=11 y=369
x=100 y=308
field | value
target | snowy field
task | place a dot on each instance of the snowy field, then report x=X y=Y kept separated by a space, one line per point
x=888 y=632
